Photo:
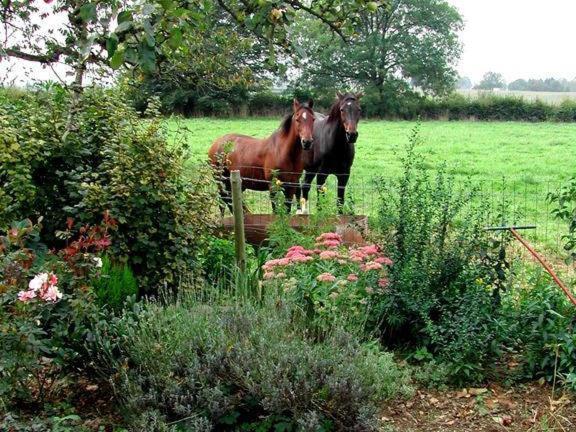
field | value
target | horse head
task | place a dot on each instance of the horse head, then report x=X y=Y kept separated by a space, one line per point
x=350 y=112
x=303 y=116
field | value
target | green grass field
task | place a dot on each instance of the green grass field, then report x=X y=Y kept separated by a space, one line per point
x=518 y=162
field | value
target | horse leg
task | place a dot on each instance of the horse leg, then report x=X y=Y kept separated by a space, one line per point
x=288 y=195
x=320 y=180
x=342 y=182
x=308 y=179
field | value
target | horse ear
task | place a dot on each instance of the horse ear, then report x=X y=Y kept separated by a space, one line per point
x=339 y=95
x=359 y=95
x=310 y=103
x=296 y=105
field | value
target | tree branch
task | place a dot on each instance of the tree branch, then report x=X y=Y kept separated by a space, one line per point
x=297 y=4
x=39 y=58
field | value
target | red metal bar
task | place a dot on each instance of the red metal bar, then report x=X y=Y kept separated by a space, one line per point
x=545 y=265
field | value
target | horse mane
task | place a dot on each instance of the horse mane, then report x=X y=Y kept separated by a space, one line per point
x=286 y=124
x=334 y=114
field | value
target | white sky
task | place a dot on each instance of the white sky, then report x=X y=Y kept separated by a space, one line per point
x=518 y=38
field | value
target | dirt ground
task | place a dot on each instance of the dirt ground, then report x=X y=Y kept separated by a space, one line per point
x=493 y=408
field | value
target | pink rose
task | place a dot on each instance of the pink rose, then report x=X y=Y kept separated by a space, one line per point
x=25 y=296
x=51 y=294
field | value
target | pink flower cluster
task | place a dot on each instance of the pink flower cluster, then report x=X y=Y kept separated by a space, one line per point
x=329 y=240
x=43 y=286
x=369 y=258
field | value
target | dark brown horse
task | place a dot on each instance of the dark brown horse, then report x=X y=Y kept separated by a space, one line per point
x=333 y=149
x=260 y=161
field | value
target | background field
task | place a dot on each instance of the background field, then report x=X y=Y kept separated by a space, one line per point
x=518 y=163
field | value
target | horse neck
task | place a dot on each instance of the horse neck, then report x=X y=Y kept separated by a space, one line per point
x=292 y=150
x=337 y=134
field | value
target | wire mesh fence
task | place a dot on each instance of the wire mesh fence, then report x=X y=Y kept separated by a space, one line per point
x=509 y=202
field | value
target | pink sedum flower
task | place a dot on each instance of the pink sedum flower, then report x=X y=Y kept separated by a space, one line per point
x=328 y=255
x=383 y=283
x=352 y=277
x=384 y=260
x=371 y=266
x=326 y=277
x=26 y=296
x=269 y=275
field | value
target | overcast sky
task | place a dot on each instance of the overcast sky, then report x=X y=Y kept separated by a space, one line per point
x=518 y=38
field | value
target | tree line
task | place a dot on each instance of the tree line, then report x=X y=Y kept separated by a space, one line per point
x=494 y=80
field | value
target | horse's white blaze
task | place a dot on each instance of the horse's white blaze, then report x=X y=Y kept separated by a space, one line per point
x=304 y=116
x=349 y=103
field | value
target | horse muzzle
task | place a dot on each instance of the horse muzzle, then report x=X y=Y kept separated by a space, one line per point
x=307 y=144
x=351 y=137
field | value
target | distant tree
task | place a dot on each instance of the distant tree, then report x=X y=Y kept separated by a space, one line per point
x=518 y=85
x=408 y=42
x=491 y=81
x=464 y=83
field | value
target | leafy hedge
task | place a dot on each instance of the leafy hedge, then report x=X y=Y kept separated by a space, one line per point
x=109 y=160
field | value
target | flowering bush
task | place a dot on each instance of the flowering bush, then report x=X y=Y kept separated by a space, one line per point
x=46 y=304
x=332 y=283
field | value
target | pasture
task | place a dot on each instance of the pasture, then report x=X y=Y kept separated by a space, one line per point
x=554 y=98
x=515 y=162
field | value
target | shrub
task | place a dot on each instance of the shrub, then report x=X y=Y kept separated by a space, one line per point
x=441 y=288
x=114 y=284
x=110 y=160
x=226 y=367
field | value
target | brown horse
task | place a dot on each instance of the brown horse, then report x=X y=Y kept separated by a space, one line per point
x=260 y=161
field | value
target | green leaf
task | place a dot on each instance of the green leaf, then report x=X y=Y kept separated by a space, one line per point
x=123 y=26
x=125 y=16
x=175 y=39
x=88 y=12
x=111 y=44
x=117 y=59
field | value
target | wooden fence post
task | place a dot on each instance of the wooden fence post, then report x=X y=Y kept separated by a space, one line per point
x=240 y=239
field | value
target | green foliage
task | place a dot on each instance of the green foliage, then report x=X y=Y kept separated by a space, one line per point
x=412 y=40
x=114 y=284
x=241 y=367
x=441 y=293
x=111 y=160
x=538 y=322
x=565 y=201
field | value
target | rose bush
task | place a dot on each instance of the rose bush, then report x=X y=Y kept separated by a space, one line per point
x=46 y=305
x=332 y=283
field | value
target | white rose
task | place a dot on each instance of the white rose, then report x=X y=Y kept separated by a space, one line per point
x=39 y=280
x=98 y=262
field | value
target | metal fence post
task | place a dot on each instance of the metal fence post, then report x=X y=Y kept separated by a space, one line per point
x=240 y=239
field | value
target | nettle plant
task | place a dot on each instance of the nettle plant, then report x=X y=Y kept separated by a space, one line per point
x=46 y=303
x=333 y=284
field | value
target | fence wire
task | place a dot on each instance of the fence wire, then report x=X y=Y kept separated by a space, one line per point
x=509 y=201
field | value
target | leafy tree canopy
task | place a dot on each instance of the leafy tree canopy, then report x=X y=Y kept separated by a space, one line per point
x=491 y=81
x=406 y=41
